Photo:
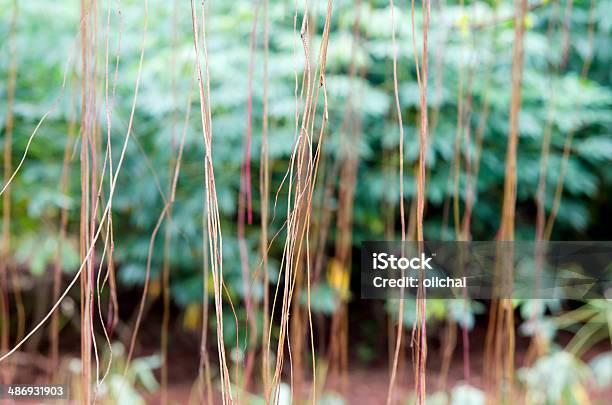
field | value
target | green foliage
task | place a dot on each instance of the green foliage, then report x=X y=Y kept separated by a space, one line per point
x=556 y=378
x=602 y=369
x=124 y=387
x=466 y=394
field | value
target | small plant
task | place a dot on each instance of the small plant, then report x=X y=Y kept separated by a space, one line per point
x=121 y=385
x=557 y=378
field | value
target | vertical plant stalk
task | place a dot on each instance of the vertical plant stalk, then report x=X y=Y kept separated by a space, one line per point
x=6 y=198
x=63 y=224
x=211 y=207
x=295 y=335
x=470 y=181
x=244 y=197
x=567 y=146
x=421 y=316
x=504 y=326
x=287 y=260
x=96 y=199
x=264 y=184
x=400 y=317
x=84 y=217
x=92 y=131
x=439 y=59
x=303 y=163
x=545 y=148
x=536 y=347
x=449 y=342
x=458 y=132
x=347 y=181
x=165 y=282
x=313 y=181
x=300 y=196
x=323 y=223
x=509 y=201
x=472 y=168
x=95 y=190
x=165 y=287
x=113 y=184
x=113 y=302
x=204 y=377
x=91 y=197
x=109 y=246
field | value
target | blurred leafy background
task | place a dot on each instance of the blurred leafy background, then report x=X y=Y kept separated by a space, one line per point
x=47 y=41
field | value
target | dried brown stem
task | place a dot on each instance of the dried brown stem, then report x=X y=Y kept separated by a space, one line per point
x=400 y=316
x=5 y=262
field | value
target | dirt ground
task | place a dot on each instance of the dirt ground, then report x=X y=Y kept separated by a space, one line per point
x=367 y=381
